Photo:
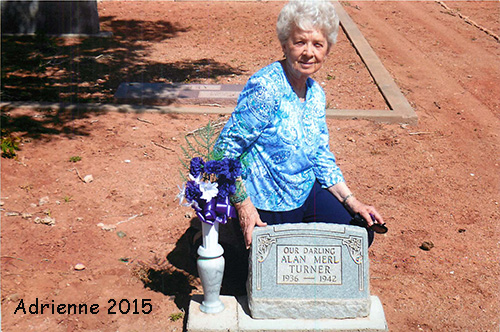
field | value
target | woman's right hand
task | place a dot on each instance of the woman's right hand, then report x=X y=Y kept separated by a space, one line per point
x=249 y=218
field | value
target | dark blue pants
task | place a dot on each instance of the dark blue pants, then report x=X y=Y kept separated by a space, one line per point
x=320 y=206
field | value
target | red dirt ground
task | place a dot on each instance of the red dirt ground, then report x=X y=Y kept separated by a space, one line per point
x=436 y=182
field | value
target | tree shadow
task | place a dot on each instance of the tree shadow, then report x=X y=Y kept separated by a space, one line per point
x=42 y=127
x=89 y=69
x=156 y=31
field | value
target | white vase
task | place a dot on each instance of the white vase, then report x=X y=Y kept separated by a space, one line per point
x=211 y=268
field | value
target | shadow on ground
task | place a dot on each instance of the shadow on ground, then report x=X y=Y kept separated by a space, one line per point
x=89 y=69
x=184 y=255
x=178 y=275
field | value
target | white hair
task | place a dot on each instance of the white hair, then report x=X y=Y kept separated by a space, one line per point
x=307 y=15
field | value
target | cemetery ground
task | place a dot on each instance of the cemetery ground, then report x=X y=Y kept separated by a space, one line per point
x=436 y=182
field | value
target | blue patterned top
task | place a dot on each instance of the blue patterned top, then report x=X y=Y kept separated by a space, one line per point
x=283 y=141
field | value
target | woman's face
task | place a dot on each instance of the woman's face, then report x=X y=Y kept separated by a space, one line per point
x=305 y=51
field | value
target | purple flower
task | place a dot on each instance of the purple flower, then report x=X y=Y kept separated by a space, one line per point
x=232 y=189
x=193 y=191
x=226 y=187
x=224 y=168
x=196 y=166
x=230 y=169
x=234 y=166
x=213 y=167
x=223 y=189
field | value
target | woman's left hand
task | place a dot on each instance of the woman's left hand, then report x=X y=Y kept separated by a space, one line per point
x=366 y=211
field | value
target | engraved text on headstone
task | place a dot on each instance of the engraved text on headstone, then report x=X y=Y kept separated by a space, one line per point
x=304 y=264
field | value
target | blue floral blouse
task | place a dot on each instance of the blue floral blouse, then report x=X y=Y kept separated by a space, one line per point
x=283 y=142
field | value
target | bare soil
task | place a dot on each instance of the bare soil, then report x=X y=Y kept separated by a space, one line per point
x=436 y=182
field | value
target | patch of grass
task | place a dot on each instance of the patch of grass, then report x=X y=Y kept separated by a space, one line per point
x=121 y=234
x=26 y=187
x=67 y=198
x=75 y=159
x=10 y=144
x=176 y=316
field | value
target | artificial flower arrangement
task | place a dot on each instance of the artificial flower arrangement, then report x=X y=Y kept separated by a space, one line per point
x=212 y=179
x=209 y=186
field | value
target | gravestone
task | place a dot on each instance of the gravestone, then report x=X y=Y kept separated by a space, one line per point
x=165 y=94
x=303 y=277
x=50 y=17
x=309 y=271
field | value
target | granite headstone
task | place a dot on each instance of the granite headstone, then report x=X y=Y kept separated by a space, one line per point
x=309 y=271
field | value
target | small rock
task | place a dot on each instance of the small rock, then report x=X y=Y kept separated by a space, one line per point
x=121 y=234
x=127 y=161
x=79 y=219
x=79 y=267
x=45 y=221
x=33 y=205
x=426 y=245
x=26 y=215
x=106 y=227
x=350 y=139
x=2 y=203
x=11 y=214
x=43 y=200
x=88 y=178
x=13 y=297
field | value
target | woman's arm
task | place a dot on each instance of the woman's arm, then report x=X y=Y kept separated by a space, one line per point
x=256 y=107
x=344 y=195
x=249 y=218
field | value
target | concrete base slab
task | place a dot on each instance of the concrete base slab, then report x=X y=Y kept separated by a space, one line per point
x=236 y=317
x=227 y=320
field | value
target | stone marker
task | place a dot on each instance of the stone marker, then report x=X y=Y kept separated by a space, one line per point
x=164 y=94
x=303 y=277
x=309 y=271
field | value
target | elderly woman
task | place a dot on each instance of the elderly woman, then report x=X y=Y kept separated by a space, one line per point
x=278 y=129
